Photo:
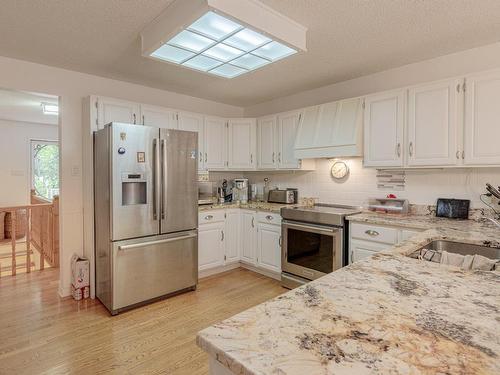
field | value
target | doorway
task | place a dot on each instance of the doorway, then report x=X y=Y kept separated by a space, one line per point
x=29 y=170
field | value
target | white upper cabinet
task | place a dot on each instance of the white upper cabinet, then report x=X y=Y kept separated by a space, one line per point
x=433 y=124
x=116 y=110
x=242 y=143
x=194 y=122
x=482 y=119
x=158 y=116
x=383 y=125
x=267 y=144
x=287 y=131
x=331 y=130
x=215 y=156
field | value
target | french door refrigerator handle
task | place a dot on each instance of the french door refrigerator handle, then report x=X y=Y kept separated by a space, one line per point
x=150 y=243
x=163 y=193
x=155 y=178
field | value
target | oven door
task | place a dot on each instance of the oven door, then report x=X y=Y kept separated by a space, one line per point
x=310 y=250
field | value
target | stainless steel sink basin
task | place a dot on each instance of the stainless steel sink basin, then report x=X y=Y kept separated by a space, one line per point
x=463 y=248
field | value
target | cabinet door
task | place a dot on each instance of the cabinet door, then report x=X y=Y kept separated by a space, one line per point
x=242 y=143
x=210 y=245
x=232 y=236
x=364 y=249
x=269 y=246
x=266 y=143
x=287 y=132
x=116 y=110
x=433 y=124
x=248 y=240
x=215 y=143
x=482 y=119
x=383 y=125
x=158 y=116
x=194 y=122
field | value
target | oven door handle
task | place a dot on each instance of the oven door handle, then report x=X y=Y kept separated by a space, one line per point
x=330 y=231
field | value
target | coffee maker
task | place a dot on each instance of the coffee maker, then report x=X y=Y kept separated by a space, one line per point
x=240 y=190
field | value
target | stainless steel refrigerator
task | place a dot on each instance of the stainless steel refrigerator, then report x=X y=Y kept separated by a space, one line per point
x=146 y=214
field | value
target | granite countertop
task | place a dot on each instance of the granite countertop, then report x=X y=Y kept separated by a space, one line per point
x=428 y=221
x=387 y=314
x=257 y=206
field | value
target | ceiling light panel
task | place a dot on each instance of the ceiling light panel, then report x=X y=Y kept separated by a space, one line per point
x=222 y=37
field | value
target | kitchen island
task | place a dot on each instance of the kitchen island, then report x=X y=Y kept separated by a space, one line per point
x=388 y=314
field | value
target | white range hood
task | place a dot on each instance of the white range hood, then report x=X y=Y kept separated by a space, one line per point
x=331 y=130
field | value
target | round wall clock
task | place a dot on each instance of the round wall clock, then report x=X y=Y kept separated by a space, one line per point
x=339 y=170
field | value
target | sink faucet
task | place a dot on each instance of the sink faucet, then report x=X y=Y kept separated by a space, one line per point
x=496 y=222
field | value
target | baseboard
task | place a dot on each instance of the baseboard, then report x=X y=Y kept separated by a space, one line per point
x=271 y=274
x=216 y=270
x=64 y=292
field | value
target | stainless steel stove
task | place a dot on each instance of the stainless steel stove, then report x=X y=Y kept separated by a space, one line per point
x=315 y=241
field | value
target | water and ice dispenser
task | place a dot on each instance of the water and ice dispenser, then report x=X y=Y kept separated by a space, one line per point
x=134 y=189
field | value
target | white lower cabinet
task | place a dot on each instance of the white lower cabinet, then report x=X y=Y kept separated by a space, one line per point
x=248 y=237
x=269 y=246
x=232 y=236
x=210 y=245
x=367 y=239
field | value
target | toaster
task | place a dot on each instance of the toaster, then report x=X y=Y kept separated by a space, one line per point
x=288 y=196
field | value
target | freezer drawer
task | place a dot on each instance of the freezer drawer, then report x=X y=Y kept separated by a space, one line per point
x=148 y=268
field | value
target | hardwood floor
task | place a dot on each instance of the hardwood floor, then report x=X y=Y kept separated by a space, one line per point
x=43 y=334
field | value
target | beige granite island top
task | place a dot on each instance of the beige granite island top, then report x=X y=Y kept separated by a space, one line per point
x=388 y=314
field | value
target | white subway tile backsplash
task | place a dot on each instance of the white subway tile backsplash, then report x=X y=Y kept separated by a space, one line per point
x=422 y=186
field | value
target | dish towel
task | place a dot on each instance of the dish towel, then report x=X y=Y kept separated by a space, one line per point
x=468 y=262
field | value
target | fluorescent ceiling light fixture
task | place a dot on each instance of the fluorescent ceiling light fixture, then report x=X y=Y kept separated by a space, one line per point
x=226 y=38
x=50 y=109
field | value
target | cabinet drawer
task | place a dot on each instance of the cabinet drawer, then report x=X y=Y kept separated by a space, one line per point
x=269 y=218
x=210 y=216
x=374 y=233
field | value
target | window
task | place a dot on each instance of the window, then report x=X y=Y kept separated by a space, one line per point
x=45 y=168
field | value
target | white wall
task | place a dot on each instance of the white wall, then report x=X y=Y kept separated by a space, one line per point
x=15 y=139
x=422 y=186
x=72 y=87
x=469 y=61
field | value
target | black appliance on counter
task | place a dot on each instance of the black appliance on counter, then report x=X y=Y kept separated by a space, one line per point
x=453 y=208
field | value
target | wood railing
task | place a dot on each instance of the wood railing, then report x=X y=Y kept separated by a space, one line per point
x=38 y=224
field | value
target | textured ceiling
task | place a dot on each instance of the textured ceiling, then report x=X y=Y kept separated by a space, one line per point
x=346 y=39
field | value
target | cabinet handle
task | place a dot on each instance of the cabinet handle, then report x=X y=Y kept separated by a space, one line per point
x=253 y=222
x=273 y=157
x=205 y=157
x=201 y=157
x=410 y=149
x=279 y=242
x=458 y=154
x=209 y=217
x=251 y=158
x=398 y=150
x=372 y=232
x=463 y=154
x=222 y=235
x=279 y=157
x=269 y=217
x=135 y=122
x=143 y=122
